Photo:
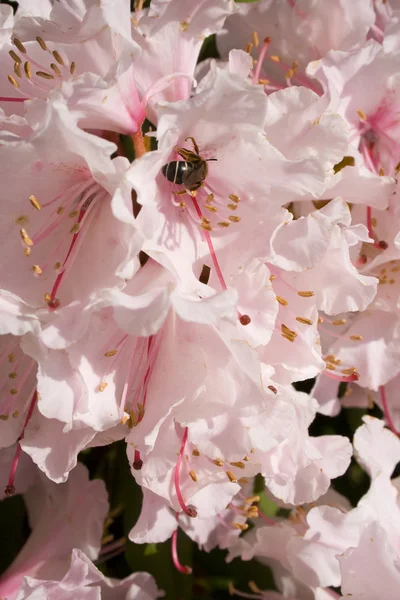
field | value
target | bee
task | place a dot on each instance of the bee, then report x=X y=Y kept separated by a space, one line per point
x=189 y=172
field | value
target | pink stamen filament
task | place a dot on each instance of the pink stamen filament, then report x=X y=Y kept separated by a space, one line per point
x=386 y=411
x=260 y=60
x=10 y=489
x=188 y=510
x=6 y=99
x=185 y=569
x=342 y=378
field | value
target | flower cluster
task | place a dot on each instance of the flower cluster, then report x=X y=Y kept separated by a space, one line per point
x=182 y=242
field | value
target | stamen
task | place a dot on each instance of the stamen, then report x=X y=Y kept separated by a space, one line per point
x=356 y=338
x=185 y=569
x=304 y=320
x=13 y=81
x=28 y=70
x=256 y=41
x=44 y=75
x=342 y=378
x=282 y=301
x=19 y=45
x=15 y=56
x=17 y=70
x=56 y=69
x=35 y=203
x=41 y=42
x=307 y=294
x=188 y=510
x=231 y=477
x=193 y=475
x=72 y=68
x=361 y=114
x=58 y=58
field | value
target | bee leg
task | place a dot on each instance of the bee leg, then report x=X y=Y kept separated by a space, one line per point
x=187 y=155
x=195 y=146
x=180 y=192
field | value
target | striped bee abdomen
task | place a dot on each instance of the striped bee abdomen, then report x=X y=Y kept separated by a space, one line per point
x=176 y=170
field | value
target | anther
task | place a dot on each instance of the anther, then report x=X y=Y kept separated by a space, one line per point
x=13 y=375
x=241 y=526
x=275 y=58
x=281 y=300
x=56 y=69
x=234 y=218
x=15 y=414
x=356 y=338
x=44 y=75
x=223 y=224
x=218 y=462
x=15 y=56
x=13 y=391
x=273 y=389
x=75 y=228
x=285 y=330
x=102 y=386
x=213 y=209
x=249 y=48
x=72 y=68
x=206 y=226
x=193 y=475
x=57 y=266
x=182 y=204
x=58 y=58
x=361 y=114
x=244 y=320
x=238 y=464
x=35 y=202
x=232 y=206
x=27 y=251
x=28 y=70
x=256 y=40
x=306 y=294
x=60 y=210
x=4 y=417
x=17 y=70
x=37 y=270
x=13 y=81
x=195 y=452
x=110 y=353
x=11 y=357
x=339 y=322
x=19 y=45
x=304 y=320
x=231 y=477
x=234 y=198
x=41 y=42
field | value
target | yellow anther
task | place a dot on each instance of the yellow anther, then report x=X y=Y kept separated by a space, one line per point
x=195 y=452
x=56 y=69
x=275 y=58
x=223 y=224
x=102 y=386
x=320 y=320
x=110 y=353
x=304 y=320
x=37 y=270
x=209 y=198
x=218 y=462
x=254 y=587
x=15 y=56
x=234 y=198
x=238 y=464
x=44 y=75
x=60 y=210
x=4 y=417
x=75 y=228
x=17 y=70
x=252 y=499
x=140 y=408
x=47 y=297
x=212 y=209
x=19 y=45
x=339 y=322
x=231 y=477
x=272 y=277
x=41 y=42
x=13 y=375
x=35 y=202
x=330 y=367
x=125 y=419
x=263 y=81
x=249 y=48
x=193 y=475
x=205 y=220
x=57 y=265
x=381 y=172
x=288 y=337
x=288 y=331
x=13 y=81
x=289 y=74
x=28 y=70
x=15 y=414
x=349 y=371
x=73 y=214
x=182 y=204
x=234 y=218
x=11 y=358
x=241 y=526
x=356 y=338
x=184 y=25
x=307 y=294
x=58 y=58
x=232 y=206
x=361 y=114
x=282 y=301
x=256 y=40
x=133 y=420
x=72 y=68
x=22 y=220
x=13 y=391
x=206 y=226
x=243 y=480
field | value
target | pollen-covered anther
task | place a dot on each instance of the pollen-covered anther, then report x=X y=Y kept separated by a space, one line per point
x=304 y=320
x=249 y=48
x=110 y=353
x=140 y=409
x=256 y=40
x=73 y=214
x=182 y=204
x=15 y=56
x=125 y=419
x=72 y=68
x=37 y=270
x=232 y=206
x=41 y=42
x=11 y=357
x=234 y=198
x=282 y=301
x=320 y=320
x=356 y=338
x=35 y=202
x=44 y=75
x=234 y=218
x=339 y=322
x=193 y=475
x=28 y=70
x=13 y=81
x=231 y=477
x=18 y=44
x=252 y=499
x=361 y=114
x=350 y=371
x=4 y=417
x=27 y=251
x=212 y=209
x=13 y=375
x=102 y=386
x=272 y=277
x=75 y=228
x=241 y=526
x=13 y=391
x=223 y=224
x=17 y=70
x=58 y=58
x=306 y=294
x=275 y=58
x=218 y=462
x=57 y=266
x=288 y=332
x=330 y=367
x=56 y=69
x=195 y=452
x=238 y=464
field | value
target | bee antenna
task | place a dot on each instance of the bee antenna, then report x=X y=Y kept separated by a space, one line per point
x=209 y=159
